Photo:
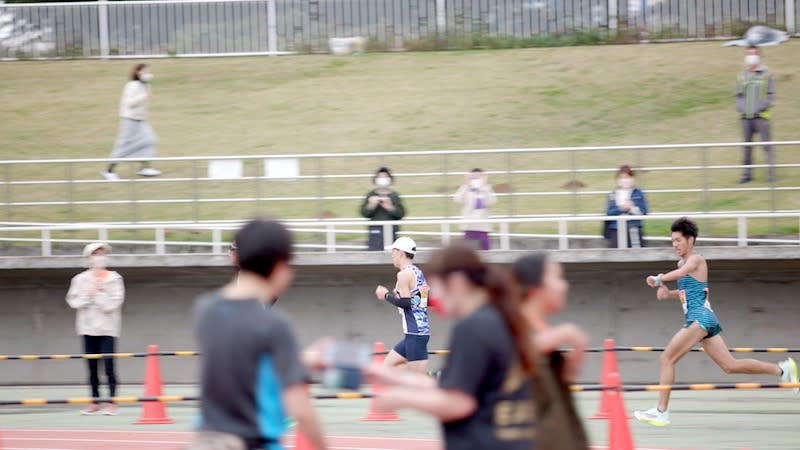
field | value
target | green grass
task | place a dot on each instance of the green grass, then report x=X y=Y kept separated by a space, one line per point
x=569 y=96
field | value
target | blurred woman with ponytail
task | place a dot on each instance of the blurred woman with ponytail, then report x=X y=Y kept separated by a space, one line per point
x=541 y=291
x=484 y=398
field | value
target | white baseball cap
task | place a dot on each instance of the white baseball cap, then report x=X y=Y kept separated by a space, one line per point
x=405 y=244
x=93 y=247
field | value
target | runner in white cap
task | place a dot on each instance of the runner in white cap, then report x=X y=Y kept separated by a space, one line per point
x=411 y=298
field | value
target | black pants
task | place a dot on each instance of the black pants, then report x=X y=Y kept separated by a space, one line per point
x=375 y=240
x=100 y=344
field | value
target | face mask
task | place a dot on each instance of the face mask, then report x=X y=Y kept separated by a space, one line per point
x=98 y=262
x=475 y=184
x=752 y=60
x=626 y=182
x=383 y=181
x=146 y=77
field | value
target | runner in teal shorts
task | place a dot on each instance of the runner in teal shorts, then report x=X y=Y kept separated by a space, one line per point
x=700 y=324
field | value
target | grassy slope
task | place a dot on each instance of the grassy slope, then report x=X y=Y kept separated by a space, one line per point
x=634 y=94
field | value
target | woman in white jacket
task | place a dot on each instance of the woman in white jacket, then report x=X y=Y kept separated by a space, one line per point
x=97 y=294
x=136 y=139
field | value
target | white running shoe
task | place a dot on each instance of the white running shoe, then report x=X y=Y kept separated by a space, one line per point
x=149 y=172
x=790 y=375
x=110 y=176
x=653 y=417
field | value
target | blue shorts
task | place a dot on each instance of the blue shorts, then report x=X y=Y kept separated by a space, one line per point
x=413 y=347
x=713 y=328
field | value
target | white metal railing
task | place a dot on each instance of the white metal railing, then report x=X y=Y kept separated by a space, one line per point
x=322 y=181
x=329 y=232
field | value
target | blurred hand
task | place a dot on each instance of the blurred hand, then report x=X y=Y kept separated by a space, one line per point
x=387 y=203
x=651 y=281
x=485 y=179
x=627 y=205
x=372 y=202
x=389 y=400
x=662 y=293
x=380 y=292
x=313 y=354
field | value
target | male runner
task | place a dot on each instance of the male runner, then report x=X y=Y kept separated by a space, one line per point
x=411 y=298
x=700 y=326
x=251 y=374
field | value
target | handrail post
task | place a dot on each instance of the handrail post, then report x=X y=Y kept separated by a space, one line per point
x=388 y=235
x=445 y=233
x=622 y=232
x=272 y=27
x=741 y=231
x=505 y=238
x=789 y=12
x=563 y=240
x=102 y=234
x=47 y=245
x=330 y=238
x=161 y=248
x=216 y=241
x=102 y=23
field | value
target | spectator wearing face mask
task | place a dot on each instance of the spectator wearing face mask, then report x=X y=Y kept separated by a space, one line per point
x=136 y=139
x=382 y=203
x=755 y=90
x=476 y=197
x=97 y=295
x=625 y=199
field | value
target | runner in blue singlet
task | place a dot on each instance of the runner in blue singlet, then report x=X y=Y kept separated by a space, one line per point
x=411 y=298
x=700 y=324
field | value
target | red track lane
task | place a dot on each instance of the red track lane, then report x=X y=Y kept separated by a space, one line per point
x=147 y=440
x=56 y=439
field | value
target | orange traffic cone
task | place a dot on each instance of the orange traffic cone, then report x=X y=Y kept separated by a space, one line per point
x=301 y=442
x=609 y=366
x=153 y=412
x=619 y=431
x=374 y=414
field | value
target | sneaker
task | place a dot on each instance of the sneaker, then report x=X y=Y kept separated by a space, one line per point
x=91 y=410
x=149 y=172
x=790 y=374
x=745 y=180
x=110 y=410
x=653 y=417
x=110 y=176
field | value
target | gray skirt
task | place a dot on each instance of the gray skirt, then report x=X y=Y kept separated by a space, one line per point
x=136 y=140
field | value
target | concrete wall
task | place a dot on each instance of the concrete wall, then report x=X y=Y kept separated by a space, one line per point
x=755 y=300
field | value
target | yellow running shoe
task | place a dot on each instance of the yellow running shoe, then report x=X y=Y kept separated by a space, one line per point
x=653 y=417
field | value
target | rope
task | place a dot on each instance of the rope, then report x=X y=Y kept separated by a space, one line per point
x=433 y=352
x=360 y=395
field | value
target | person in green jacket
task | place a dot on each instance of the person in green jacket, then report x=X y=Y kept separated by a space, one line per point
x=755 y=90
x=382 y=203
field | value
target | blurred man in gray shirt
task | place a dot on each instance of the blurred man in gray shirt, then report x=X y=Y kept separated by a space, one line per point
x=755 y=90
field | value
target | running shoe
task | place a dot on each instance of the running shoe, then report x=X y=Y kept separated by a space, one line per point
x=110 y=176
x=110 y=410
x=149 y=172
x=91 y=410
x=790 y=374
x=653 y=417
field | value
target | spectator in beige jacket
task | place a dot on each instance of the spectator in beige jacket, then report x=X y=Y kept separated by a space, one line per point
x=97 y=295
x=476 y=197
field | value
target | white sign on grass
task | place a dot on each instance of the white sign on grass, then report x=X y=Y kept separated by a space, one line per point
x=282 y=168
x=225 y=169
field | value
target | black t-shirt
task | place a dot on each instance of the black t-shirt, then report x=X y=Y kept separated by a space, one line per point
x=249 y=356
x=483 y=364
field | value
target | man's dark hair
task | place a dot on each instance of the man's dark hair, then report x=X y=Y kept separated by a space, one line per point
x=262 y=244
x=685 y=227
x=409 y=255
x=384 y=170
x=477 y=170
